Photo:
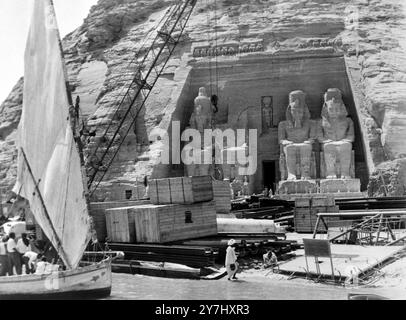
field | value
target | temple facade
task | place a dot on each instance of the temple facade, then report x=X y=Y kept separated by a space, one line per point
x=257 y=93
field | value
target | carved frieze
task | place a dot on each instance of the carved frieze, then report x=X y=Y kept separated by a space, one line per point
x=321 y=43
x=227 y=49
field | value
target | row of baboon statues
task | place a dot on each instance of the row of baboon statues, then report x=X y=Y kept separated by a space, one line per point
x=227 y=50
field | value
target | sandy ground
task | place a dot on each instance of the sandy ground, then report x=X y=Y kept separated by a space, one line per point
x=389 y=281
x=392 y=277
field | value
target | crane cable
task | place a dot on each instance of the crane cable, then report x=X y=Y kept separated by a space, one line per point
x=216 y=35
x=213 y=51
x=210 y=51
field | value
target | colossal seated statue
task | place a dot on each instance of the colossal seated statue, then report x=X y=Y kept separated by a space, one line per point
x=199 y=120
x=207 y=108
x=337 y=135
x=295 y=137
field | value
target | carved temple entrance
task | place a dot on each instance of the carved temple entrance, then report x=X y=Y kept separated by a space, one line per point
x=253 y=93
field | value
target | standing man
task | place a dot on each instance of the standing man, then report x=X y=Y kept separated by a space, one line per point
x=231 y=261
x=23 y=246
x=13 y=255
x=4 y=265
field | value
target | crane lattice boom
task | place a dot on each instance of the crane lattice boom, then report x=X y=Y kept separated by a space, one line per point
x=149 y=67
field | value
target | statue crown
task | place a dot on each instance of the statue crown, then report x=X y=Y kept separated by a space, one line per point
x=202 y=91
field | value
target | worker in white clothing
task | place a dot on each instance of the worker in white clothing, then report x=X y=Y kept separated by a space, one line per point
x=30 y=259
x=13 y=255
x=270 y=259
x=42 y=266
x=23 y=246
x=231 y=261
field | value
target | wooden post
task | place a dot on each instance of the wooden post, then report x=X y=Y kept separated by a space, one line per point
x=316 y=227
x=379 y=229
x=391 y=232
x=307 y=264
x=332 y=268
x=316 y=261
x=324 y=222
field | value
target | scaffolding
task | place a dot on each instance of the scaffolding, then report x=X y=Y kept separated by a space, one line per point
x=369 y=227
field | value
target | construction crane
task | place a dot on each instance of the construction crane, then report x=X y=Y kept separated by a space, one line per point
x=149 y=67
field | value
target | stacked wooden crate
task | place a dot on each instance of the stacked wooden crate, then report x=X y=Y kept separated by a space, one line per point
x=151 y=223
x=121 y=192
x=181 y=190
x=222 y=196
x=307 y=209
x=167 y=223
x=98 y=213
x=182 y=208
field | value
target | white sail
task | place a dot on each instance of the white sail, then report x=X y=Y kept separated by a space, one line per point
x=45 y=137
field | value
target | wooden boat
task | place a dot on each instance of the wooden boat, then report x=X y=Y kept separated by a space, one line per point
x=90 y=282
x=50 y=171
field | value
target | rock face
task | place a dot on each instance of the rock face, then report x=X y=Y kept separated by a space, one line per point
x=369 y=34
x=388 y=179
x=10 y=113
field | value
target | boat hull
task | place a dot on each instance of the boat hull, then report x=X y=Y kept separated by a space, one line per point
x=91 y=282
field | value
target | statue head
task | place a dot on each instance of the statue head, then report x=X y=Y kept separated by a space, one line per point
x=202 y=92
x=267 y=101
x=334 y=109
x=333 y=93
x=297 y=111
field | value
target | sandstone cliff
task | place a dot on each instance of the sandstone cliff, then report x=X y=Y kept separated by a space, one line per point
x=370 y=33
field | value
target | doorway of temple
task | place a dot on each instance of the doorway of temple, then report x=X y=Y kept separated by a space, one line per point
x=269 y=175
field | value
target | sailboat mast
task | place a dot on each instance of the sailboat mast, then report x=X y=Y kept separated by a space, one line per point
x=55 y=235
x=77 y=139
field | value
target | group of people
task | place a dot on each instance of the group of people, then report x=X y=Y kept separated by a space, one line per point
x=267 y=193
x=16 y=255
x=232 y=266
